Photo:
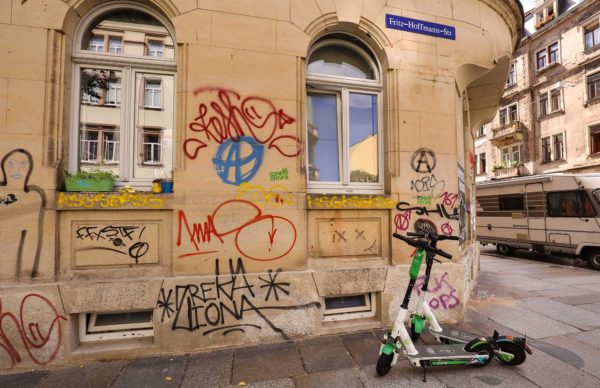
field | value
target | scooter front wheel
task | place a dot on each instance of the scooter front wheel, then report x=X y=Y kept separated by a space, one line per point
x=384 y=364
x=483 y=349
x=517 y=352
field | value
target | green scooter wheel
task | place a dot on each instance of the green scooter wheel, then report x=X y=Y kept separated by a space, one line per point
x=384 y=364
x=517 y=352
x=483 y=349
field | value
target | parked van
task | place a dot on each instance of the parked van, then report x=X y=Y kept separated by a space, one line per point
x=558 y=213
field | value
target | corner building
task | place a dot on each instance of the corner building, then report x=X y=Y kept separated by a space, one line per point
x=298 y=134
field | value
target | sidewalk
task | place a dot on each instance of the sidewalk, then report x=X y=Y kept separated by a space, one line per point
x=557 y=307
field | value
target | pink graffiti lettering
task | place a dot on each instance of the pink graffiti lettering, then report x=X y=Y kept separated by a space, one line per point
x=449 y=199
x=42 y=340
x=402 y=220
x=250 y=228
x=445 y=293
x=229 y=116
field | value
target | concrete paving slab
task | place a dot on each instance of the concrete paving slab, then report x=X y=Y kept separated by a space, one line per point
x=530 y=284
x=97 y=374
x=402 y=375
x=591 y=337
x=266 y=362
x=547 y=371
x=363 y=347
x=565 y=313
x=595 y=307
x=532 y=324
x=582 y=298
x=586 y=278
x=589 y=354
x=502 y=291
x=341 y=378
x=493 y=374
x=323 y=354
x=20 y=380
x=590 y=287
x=564 y=295
x=211 y=369
x=152 y=372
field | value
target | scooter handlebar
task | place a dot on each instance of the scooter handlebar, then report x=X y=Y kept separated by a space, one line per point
x=421 y=244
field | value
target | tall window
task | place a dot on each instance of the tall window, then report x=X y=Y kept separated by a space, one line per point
x=114 y=130
x=592 y=36
x=544 y=104
x=555 y=104
x=508 y=114
x=480 y=131
x=595 y=139
x=553 y=148
x=512 y=76
x=546 y=150
x=547 y=56
x=516 y=155
x=343 y=125
x=481 y=166
x=550 y=102
x=593 y=86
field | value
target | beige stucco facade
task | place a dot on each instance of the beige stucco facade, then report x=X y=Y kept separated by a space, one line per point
x=220 y=264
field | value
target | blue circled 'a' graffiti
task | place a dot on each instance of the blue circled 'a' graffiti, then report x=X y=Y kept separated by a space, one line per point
x=237 y=160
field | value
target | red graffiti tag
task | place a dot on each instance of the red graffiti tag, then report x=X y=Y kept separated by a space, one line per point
x=449 y=199
x=402 y=220
x=42 y=340
x=447 y=229
x=229 y=116
x=248 y=228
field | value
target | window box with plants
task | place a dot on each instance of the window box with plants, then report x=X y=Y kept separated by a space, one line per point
x=93 y=180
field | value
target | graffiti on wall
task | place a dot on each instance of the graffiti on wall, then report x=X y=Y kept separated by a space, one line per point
x=22 y=215
x=224 y=115
x=36 y=328
x=256 y=235
x=231 y=302
x=128 y=240
x=109 y=200
x=275 y=197
x=349 y=202
x=441 y=293
x=280 y=175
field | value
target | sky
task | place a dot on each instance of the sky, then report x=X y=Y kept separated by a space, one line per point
x=527 y=4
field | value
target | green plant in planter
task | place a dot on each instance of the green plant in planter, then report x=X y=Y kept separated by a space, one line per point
x=92 y=180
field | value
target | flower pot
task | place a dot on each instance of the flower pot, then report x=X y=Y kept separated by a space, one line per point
x=79 y=184
x=166 y=186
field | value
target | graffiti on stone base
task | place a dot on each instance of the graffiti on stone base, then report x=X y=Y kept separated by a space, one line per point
x=224 y=303
x=442 y=294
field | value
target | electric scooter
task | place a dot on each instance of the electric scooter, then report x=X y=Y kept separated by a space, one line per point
x=509 y=350
x=476 y=351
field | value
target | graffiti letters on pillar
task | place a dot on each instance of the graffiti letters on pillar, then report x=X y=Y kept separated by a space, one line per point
x=227 y=116
x=442 y=294
x=22 y=227
x=223 y=305
x=276 y=196
x=423 y=160
x=425 y=226
x=462 y=206
x=257 y=236
x=37 y=325
x=237 y=162
x=440 y=209
x=121 y=239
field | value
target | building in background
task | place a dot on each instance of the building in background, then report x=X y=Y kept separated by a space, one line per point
x=549 y=115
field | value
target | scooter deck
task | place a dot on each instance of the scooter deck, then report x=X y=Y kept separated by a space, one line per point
x=437 y=352
x=453 y=335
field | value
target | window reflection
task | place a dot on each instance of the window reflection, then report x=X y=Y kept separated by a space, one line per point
x=323 y=146
x=363 y=138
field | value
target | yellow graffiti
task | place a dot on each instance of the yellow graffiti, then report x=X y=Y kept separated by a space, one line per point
x=277 y=196
x=110 y=200
x=350 y=202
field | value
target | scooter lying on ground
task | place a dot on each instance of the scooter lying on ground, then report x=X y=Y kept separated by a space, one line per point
x=458 y=347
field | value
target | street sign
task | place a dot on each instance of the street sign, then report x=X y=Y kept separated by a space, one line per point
x=420 y=27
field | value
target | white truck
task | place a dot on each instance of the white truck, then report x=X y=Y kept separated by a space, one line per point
x=557 y=214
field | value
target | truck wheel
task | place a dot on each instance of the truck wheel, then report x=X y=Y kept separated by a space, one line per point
x=504 y=250
x=593 y=258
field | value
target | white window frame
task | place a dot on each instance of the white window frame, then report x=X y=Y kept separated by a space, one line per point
x=342 y=314
x=128 y=67
x=563 y=147
x=155 y=52
x=542 y=149
x=507 y=110
x=344 y=86
x=547 y=97
x=512 y=71
x=479 y=170
x=118 y=49
x=587 y=88
x=90 y=332
x=546 y=50
x=589 y=138
x=592 y=24
x=155 y=91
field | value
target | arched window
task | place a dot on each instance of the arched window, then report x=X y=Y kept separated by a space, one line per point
x=123 y=116
x=345 y=147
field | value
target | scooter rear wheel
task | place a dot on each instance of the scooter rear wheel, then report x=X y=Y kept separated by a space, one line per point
x=384 y=364
x=517 y=352
x=483 y=349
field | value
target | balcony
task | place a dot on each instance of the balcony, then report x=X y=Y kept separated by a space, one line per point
x=506 y=172
x=508 y=133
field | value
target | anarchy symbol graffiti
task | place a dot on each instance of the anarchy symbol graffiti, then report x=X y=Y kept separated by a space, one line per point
x=423 y=160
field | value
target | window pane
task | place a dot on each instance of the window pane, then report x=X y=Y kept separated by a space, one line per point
x=145 y=35
x=511 y=202
x=589 y=39
x=99 y=119
x=570 y=204
x=153 y=156
x=339 y=61
x=323 y=138
x=558 y=147
x=541 y=59
x=364 y=156
x=546 y=149
x=555 y=100
x=543 y=105
x=553 y=53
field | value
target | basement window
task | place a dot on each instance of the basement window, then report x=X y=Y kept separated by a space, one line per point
x=111 y=326
x=349 y=307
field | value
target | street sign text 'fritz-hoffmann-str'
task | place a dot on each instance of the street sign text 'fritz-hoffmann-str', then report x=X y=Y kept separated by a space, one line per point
x=420 y=27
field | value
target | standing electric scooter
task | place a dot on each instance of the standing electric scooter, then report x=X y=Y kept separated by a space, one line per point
x=477 y=352
x=509 y=350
